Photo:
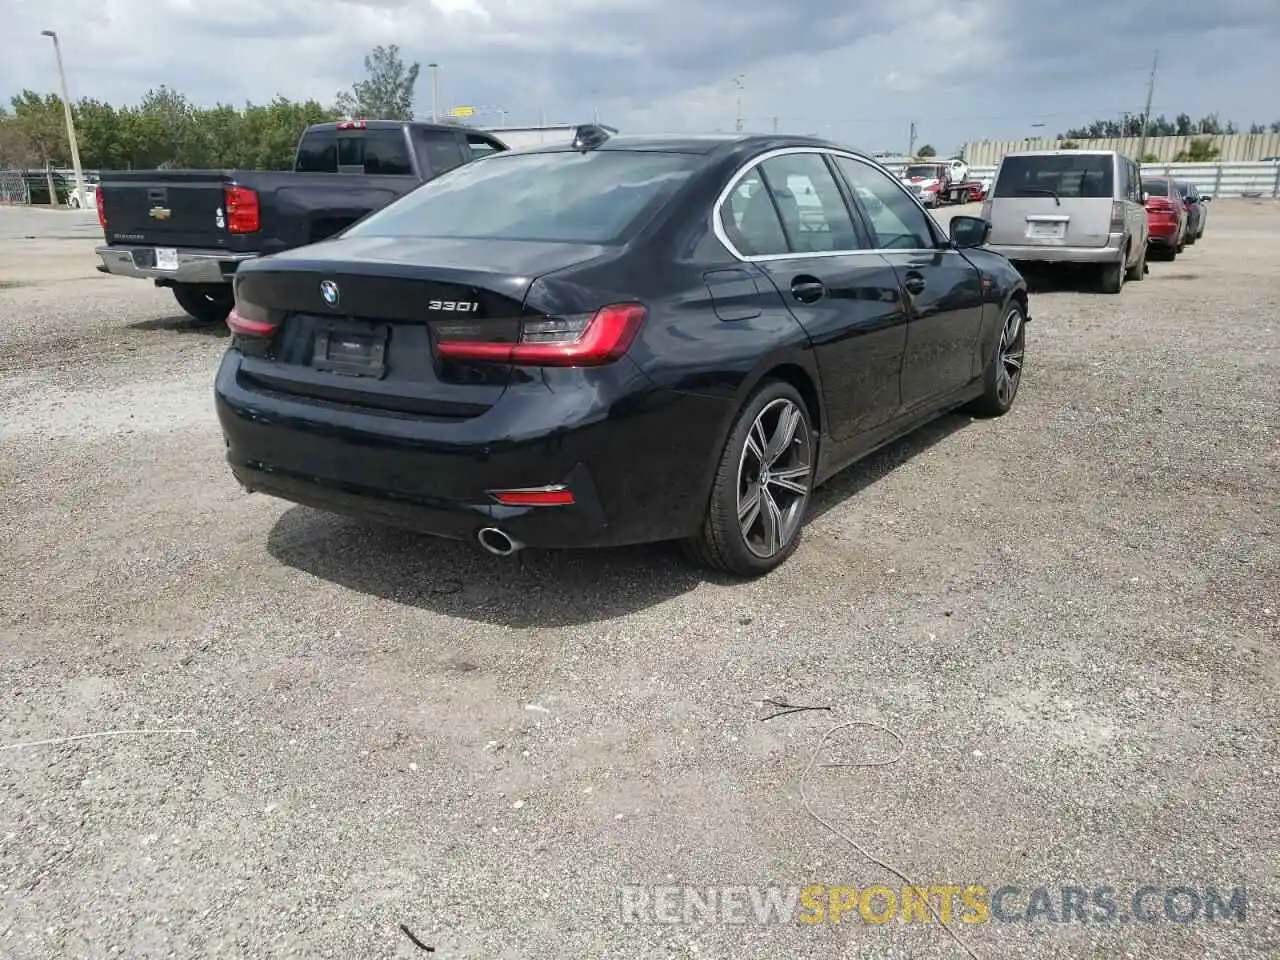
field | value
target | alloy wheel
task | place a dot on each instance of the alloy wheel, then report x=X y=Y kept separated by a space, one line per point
x=775 y=472
x=1012 y=346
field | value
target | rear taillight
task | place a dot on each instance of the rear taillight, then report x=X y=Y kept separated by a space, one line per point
x=986 y=209
x=582 y=340
x=243 y=214
x=250 y=320
x=1117 y=216
x=102 y=209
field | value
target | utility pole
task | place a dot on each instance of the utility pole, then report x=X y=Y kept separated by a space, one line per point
x=740 y=82
x=1146 y=112
x=775 y=124
x=434 y=69
x=911 y=147
x=71 y=124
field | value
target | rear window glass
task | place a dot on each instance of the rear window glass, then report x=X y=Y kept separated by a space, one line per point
x=562 y=196
x=1157 y=188
x=1185 y=188
x=1081 y=175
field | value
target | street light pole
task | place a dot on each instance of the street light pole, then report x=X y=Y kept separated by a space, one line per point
x=71 y=123
x=435 y=92
x=740 y=82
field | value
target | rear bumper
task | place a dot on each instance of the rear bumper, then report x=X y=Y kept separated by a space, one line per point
x=1163 y=234
x=1048 y=253
x=194 y=266
x=636 y=476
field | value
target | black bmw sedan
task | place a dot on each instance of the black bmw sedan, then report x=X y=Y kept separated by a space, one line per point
x=623 y=340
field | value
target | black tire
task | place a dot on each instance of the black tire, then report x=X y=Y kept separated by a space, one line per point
x=206 y=303
x=722 y=543
x=1139 y=270
x=1112 y=278
x=999 y=395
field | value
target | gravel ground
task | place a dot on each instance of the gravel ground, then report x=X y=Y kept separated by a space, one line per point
x=1069 y=614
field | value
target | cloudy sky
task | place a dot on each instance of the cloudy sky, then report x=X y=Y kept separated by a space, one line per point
x=854 y=70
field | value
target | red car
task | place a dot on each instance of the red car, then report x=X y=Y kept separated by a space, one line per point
x=1166 y=216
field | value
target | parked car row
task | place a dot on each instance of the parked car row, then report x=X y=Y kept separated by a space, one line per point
x=1090 y=208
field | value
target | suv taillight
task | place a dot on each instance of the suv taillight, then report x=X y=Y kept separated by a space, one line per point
x=243 y=214
x=102 y=209
x=582 y=340
x=1117 y=216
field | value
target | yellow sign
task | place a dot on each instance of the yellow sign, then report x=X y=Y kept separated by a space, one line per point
x=462 y=112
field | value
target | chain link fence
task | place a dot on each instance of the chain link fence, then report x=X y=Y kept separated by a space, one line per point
x=13 y=187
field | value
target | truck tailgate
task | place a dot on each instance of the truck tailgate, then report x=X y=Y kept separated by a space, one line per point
x=169 y=208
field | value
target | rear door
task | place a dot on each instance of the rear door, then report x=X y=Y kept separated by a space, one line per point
x=942 y=288
x=1053 y=200
x=788 y=215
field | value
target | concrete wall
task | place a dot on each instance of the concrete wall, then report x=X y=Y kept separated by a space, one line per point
x=1235 y=148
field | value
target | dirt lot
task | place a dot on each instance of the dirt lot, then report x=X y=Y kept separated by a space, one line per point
x=1070 y=615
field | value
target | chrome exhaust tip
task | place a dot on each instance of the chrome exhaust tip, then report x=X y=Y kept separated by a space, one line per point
x=498 y=542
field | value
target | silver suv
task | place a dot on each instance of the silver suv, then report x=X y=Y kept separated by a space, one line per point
x=1071 y=206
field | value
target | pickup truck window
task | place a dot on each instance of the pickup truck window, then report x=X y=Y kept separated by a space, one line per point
x=443 y=150
x=480 y=146
x=318 y=153
x=387 y=153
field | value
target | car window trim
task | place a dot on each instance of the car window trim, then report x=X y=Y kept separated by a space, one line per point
x=717 y=224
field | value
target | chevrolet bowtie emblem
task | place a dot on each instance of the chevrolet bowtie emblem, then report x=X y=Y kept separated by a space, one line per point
x=161 y=213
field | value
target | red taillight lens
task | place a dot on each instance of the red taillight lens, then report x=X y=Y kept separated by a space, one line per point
x=250 y=320
x=534 y=497
x=585 y=340
x=243 y=215
x=102 y=209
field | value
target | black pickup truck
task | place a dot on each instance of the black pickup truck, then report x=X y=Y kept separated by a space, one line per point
x=190 y=229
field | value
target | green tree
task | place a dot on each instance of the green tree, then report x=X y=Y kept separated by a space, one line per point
x=1068 y=145
x=387 y=92
x=1199 y=150
x=41 y=125
x=926 y=151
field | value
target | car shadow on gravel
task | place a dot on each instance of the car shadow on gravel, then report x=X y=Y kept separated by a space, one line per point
x=535 y=588
x=182 y=324
x=841 y=488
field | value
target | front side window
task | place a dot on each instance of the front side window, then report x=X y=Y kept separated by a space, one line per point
x=896 y=219
x=564 y=196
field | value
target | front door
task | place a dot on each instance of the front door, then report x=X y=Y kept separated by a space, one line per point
x=943 y=289
x=788 y=216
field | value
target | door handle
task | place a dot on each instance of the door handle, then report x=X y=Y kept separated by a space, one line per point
x=914 y=283
x=808 y=289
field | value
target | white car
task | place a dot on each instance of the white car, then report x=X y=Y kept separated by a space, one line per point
x=90 y=197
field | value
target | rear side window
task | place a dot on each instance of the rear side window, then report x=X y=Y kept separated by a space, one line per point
x=318 y=153
x=596 y=197
x=443 y=151
x=750 y=218
x=813 y=210
x=386 y=152
x=1069 y=176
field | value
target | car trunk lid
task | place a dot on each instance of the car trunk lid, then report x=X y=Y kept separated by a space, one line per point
x=359 y=321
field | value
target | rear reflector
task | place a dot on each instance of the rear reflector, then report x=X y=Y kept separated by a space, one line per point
x=243 y=213
x=534 y=497
x=583 y=340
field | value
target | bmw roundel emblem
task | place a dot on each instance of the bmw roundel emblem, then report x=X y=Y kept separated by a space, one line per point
x=329 y=291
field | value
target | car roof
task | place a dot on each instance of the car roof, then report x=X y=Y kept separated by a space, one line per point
x=701 y=143
x=1064 y=153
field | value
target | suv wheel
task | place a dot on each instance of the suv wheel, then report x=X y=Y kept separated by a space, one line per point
x=1113 y=277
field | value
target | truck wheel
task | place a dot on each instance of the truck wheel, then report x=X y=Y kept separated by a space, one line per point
x=206 y=303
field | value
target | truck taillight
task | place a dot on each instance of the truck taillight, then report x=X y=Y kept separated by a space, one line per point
x=102 y=209
x=581 y=340
x=1117 y=216
x=352 y=124
x=243 y=214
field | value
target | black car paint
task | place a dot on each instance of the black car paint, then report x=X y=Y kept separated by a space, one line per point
x=717 y=327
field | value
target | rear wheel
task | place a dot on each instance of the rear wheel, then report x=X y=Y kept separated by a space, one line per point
x=1112 y=279
x=762 y=486
x=1139 y=269
x=205 y=303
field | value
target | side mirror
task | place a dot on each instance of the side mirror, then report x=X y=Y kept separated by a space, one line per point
x=966 y=232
